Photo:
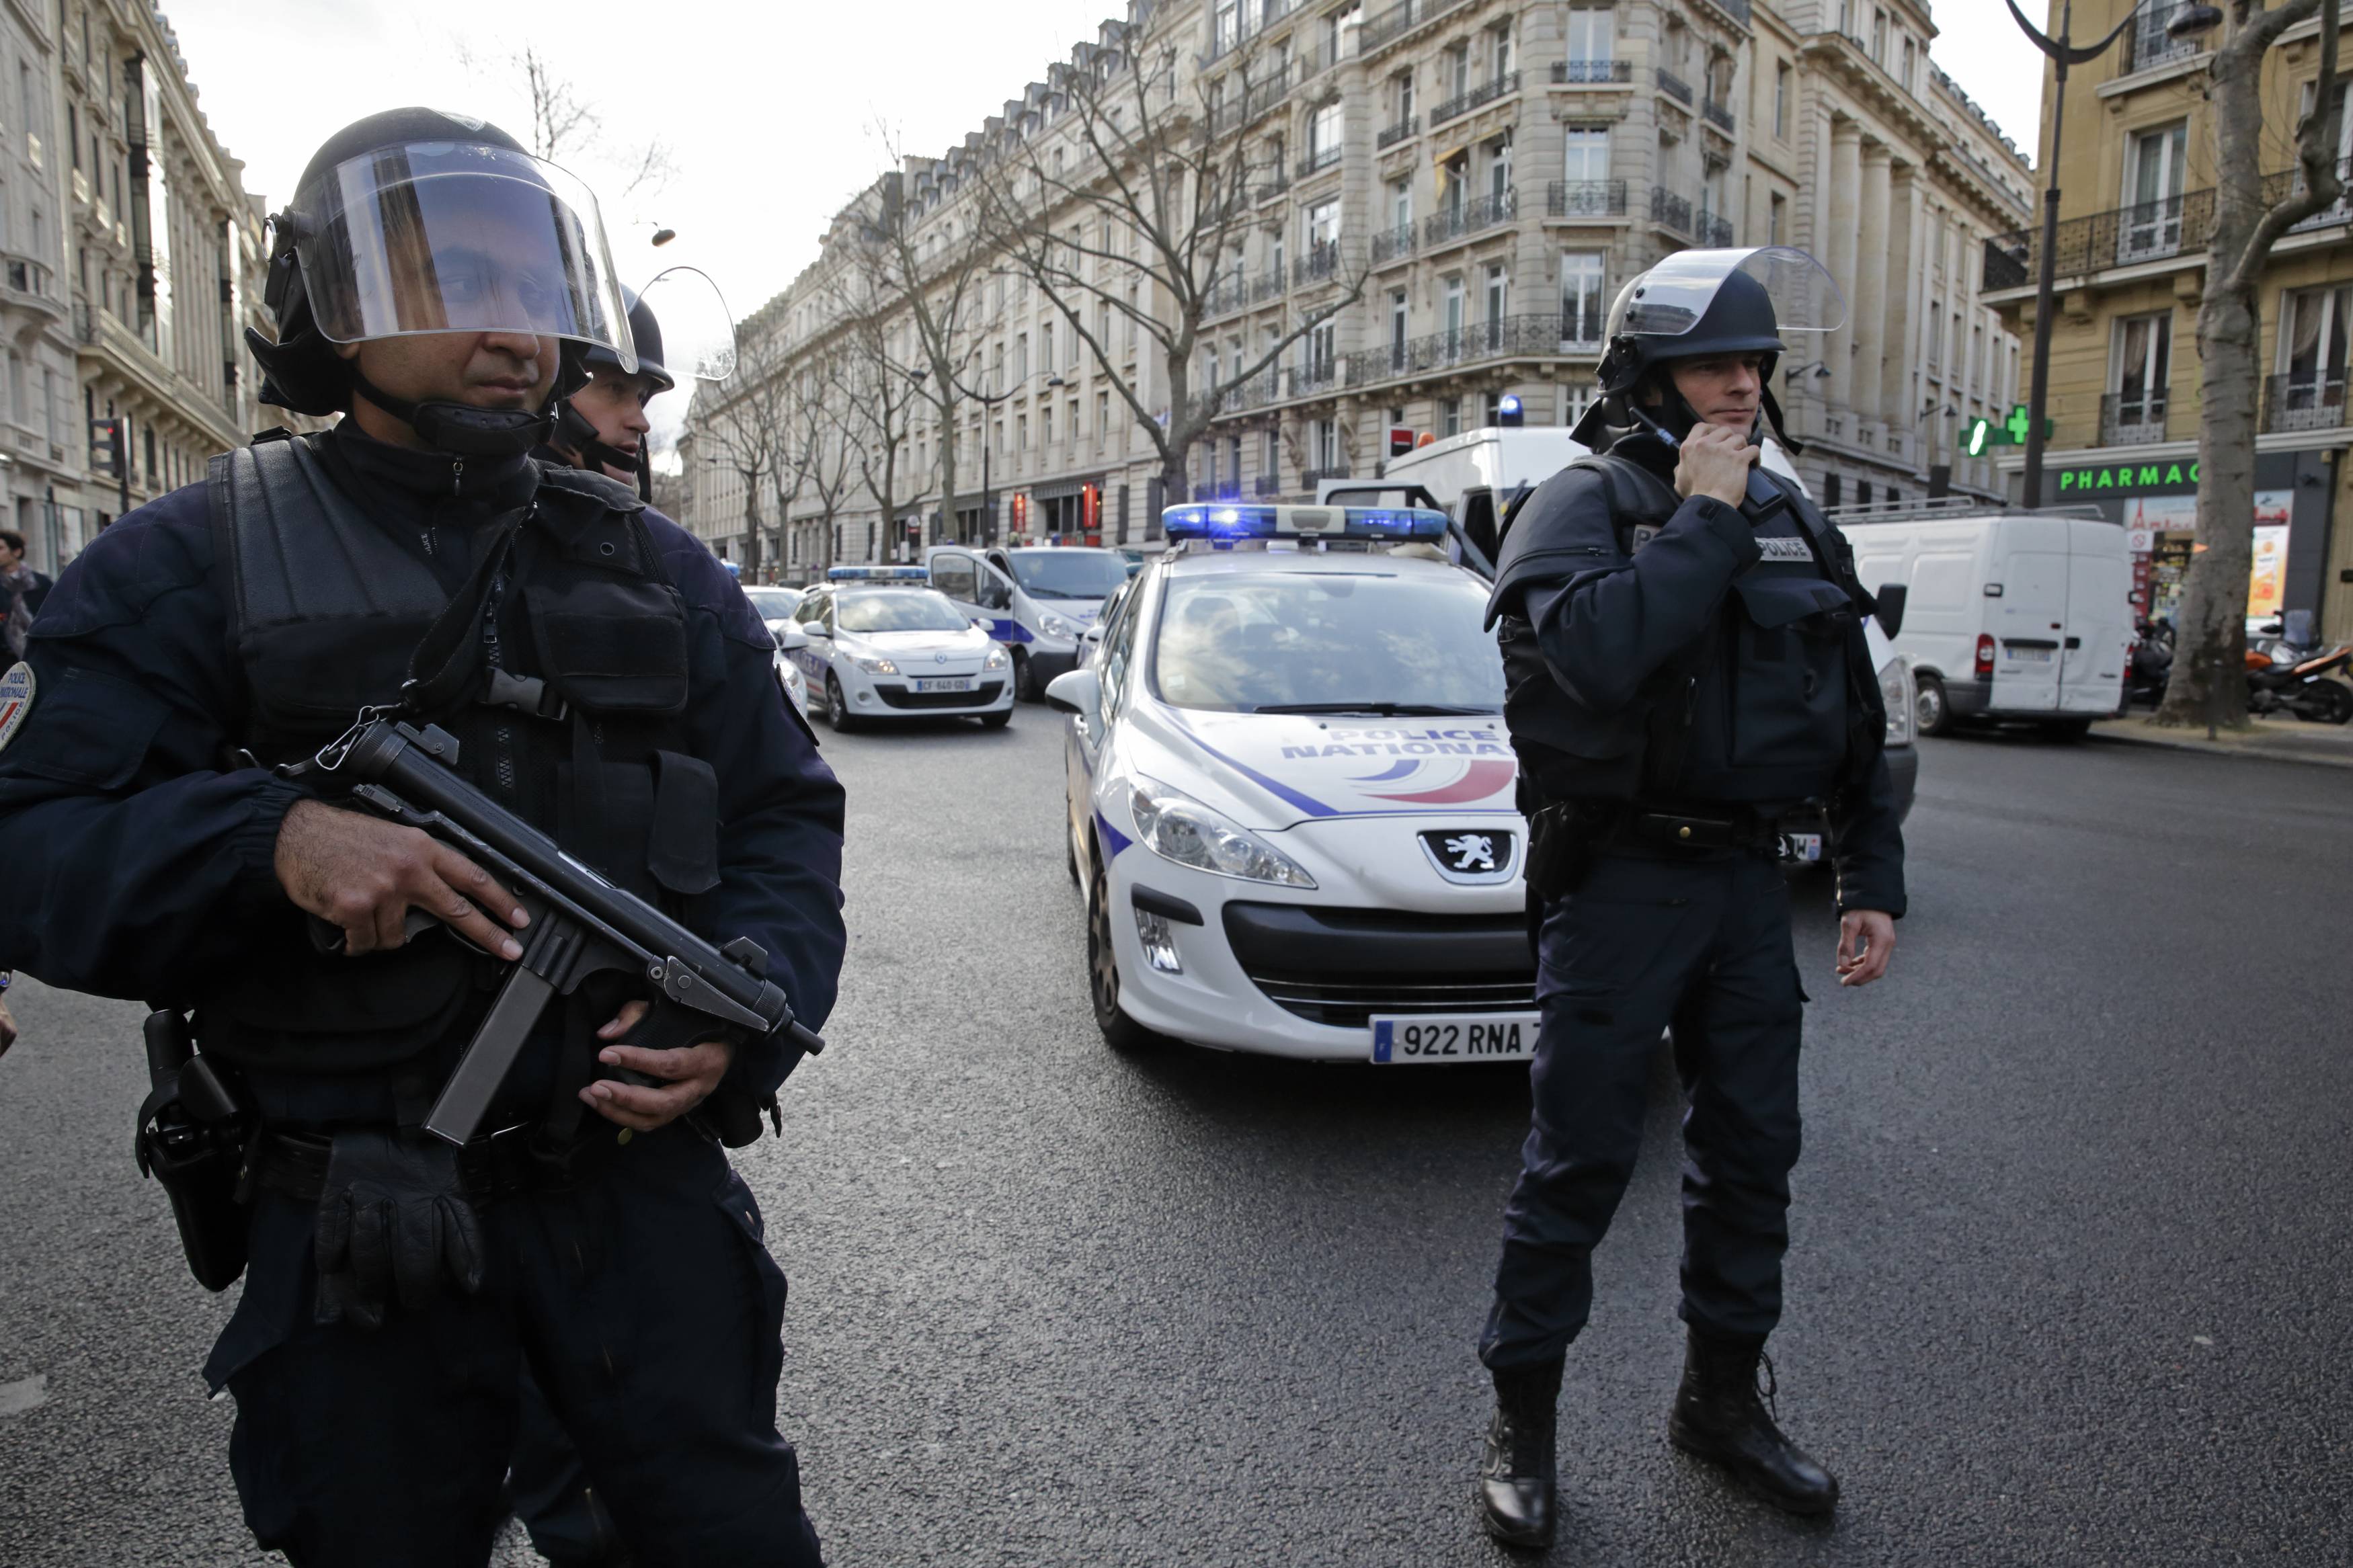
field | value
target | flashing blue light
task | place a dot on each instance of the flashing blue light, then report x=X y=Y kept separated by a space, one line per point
x=1228 y=523
x=1507 y=409
x=877 y=575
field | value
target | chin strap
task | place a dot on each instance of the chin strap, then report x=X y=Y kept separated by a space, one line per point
x=576 y=437
x=460 y=428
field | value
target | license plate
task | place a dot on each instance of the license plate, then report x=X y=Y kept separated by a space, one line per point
x=1455 y=1038
x=943 y=683
x=2031 y=655
x=1806 y=848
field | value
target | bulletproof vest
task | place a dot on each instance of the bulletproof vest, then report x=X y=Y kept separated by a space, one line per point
x=561 y=666
x=1772 y=703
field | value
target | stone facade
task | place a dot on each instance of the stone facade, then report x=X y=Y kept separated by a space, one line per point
x=1493 y=171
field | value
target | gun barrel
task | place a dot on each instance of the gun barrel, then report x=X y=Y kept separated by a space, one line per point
x=384 y=754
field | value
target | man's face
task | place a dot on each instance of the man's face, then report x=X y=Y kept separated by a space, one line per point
x=486 y=370
x=1722 y=389
x=615 y=403
x=10 y=556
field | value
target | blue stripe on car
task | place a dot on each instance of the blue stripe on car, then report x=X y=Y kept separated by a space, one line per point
x=1114 y=840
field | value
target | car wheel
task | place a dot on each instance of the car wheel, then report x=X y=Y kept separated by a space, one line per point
x=997 y=720
x=1025 y=685
x=1932 y=715
x=837 y=705
x=1069 y=845
x=1121 y=1032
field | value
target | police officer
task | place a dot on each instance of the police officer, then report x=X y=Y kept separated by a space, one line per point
x=437 y=286
x=1684 y=658
x=602 y=426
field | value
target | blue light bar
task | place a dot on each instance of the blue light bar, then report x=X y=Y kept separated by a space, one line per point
x=877 y=575
x=1210 y=521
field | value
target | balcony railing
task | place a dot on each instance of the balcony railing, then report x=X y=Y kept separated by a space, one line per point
x=1226 y=296
x=1310 y=478
x=1545 y=334
x=2132 y=418
x=2151 y=231
x=1321 y=261
x=2148 y=43
x=2304 y=400
x=1669 y=211
x=1470 y=217
x=26 y=276
x=1586 y=198
x=1393 y=245
x=1316 y=375
x=1735 y=9
x=1712 y=231
x=85 y=323
x=1572 y=72
x=1716 y=114
x=1398 y=132
x=1278 y=187
x=1399 y=20
x=1316 y=162
x=1267 y=484
x=1269 y=285
x=1486 y=92
x=1674 y=87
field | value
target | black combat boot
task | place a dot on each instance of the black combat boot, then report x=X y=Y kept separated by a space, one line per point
x=1515 y=1475
x=1719 y=1416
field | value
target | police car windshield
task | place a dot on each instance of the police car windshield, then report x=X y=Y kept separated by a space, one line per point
x=1068 y=573
x=774 y=604
x=1324 y=642
x=898 y=610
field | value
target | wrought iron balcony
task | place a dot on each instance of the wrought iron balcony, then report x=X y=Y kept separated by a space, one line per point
x=1669 y=211
x=1310 y=478
x=1267 y=484
x=1269 y=284
x=2147 y=44
x=1674 y=87
x=1226 y=296
x=1479 y=97
x=1718 y=115
x=1398 y=20
x=1393 y=245
x=1398 y=132
x=1470 y=217
x=1586 y=198
x=1321 y=261
x=1316 y=375
x=1318 y=161
x=2132 y=418
x=1546 y=334
x=1735 y=9
x=1713 y=232
x=1575 y=72
x=2304 y=400
x=2151 y=231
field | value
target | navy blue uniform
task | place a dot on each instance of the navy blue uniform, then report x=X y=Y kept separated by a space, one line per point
x=1600 y=602
x=642 y=1298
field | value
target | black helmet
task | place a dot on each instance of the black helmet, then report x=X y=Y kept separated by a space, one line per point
x=416 y=221
x=1737 y=320
x=644 y=333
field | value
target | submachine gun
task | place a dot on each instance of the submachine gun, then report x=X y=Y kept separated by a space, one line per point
x=580 y=925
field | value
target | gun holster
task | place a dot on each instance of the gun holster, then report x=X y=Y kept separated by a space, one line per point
x=195 y=1138
x=1564 y=836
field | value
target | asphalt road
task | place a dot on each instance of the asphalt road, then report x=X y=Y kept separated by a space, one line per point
x=2069 y=1279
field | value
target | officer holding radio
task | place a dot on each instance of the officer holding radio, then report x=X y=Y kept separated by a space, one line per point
x=1684 y=657
x=169 y=774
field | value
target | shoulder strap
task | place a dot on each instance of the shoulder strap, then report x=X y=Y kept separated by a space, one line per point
x=296 y=547
x=1819 y=536
x=1634 y=490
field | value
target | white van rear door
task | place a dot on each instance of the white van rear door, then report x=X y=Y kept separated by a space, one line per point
x=2099 y=619
x=2029 y=619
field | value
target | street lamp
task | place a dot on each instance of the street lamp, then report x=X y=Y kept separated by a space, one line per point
x=1820 y=367
x=2190 y=22
x=987 y=411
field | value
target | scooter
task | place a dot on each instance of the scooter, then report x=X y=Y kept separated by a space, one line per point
x=2304 y=688
x=2151 y=664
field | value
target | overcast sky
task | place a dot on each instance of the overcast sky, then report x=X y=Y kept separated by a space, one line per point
x=774 y=112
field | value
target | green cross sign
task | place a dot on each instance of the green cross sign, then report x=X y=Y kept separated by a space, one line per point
x=2017 y=427
x=2011 y=432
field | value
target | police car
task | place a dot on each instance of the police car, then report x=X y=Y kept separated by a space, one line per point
x=877 y=642
x=1290 y=795
x=774 y=606
x=1040 y=599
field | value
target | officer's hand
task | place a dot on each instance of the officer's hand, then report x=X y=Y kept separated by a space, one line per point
x=1714 y=461
x=691 y=1074
x=363 y=874
x=7 y=1028
x=1866 y=941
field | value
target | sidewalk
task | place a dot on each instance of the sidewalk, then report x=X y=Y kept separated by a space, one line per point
x=2282 y=739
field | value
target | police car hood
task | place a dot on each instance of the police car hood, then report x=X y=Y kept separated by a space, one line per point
x=1272 y=771
x=966 y=644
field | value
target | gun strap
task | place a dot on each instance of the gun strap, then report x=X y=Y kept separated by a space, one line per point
x=448 y=668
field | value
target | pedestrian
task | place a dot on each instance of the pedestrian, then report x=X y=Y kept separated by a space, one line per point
x=606 y=681
x=1684 y=658
x=24 y=588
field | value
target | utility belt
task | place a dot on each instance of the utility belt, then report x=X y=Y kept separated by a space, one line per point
x=1564 y=837
x=504 y=1164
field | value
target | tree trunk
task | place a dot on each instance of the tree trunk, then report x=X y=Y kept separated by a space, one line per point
x=752 y=525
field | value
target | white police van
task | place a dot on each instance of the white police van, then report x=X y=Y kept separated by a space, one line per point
x=1038 y=600
x=1290 y=795
x=876 y=642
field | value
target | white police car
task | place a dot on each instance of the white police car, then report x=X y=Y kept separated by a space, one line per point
x=877 y=642
x=1290 y=795
x=1039 y=600
x=774 y=606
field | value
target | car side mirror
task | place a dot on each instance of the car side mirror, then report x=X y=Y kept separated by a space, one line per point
x=1078 y=693
x=791 y=636
x=811 y=630
x=1891 y=597
x=1093 y=633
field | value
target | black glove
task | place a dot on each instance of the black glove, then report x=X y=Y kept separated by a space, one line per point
x=392 y=1216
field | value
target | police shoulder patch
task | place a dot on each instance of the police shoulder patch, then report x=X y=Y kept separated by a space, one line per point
x=15 y=700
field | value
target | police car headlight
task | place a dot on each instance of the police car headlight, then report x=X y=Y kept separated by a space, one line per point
x=878 y=667
x=1176 y=827
x=1897 y=690
x=996 y=660
x=1054 y=627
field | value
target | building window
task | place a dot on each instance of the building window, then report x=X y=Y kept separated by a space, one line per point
x=1499 y=294
x=1397 y=319
x=1777 y=220
x=1499 y=175
x=2314 y=335
x=1491 y=410
x=1401 y=97
x=1458 y=69
x=1454 y=316
x=1020 y=358
x=1829 y=489
x=1449 y=416
x=1781 y=99
x=2155 y=166
x=1911 y=60
x=1327 y=446
x=1323 y=341
x=1586 y=153
x=1879 y=56
x=1592 y=38
x=1582 y=303
x=1324 y=133
x=1862 y=492
x=1499 y=49
x=1323 y=224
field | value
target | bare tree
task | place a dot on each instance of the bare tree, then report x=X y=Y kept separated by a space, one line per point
x=565 y=126
x=2251 y=213
x=879 y=401
x=1131 y=206
x=744 y=425
x=818 y=452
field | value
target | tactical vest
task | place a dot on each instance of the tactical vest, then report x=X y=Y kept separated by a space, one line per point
x=577 y=723
x=1775 y=702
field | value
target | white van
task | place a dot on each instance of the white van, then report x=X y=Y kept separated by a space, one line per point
x=2007 y=615
x=1038 y=600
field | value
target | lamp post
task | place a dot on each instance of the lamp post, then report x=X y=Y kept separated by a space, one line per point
x=987 y=411
x=2188 y=22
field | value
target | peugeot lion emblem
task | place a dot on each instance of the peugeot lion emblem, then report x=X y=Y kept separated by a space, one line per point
x=1469 y=854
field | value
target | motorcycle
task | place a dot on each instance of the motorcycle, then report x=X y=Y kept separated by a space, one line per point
x=2151 y=662
x=2308 y=689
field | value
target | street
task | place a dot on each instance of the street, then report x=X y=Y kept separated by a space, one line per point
x=2068 y=1283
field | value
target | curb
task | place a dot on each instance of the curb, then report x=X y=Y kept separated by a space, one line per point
x=2243 y=748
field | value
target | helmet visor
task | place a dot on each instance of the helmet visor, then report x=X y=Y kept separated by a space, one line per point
x=450 y=236
x=1669 y=299
x=697 y=335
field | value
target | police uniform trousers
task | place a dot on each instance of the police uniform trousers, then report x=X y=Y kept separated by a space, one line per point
x=1699 y=941
x=644 y=1303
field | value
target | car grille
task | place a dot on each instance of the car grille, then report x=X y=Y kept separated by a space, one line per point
x=979 y=696
x=1341 y=967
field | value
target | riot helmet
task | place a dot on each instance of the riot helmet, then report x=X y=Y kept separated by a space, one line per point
x=703 y=344
x=417 y=221
x=1701 y=303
